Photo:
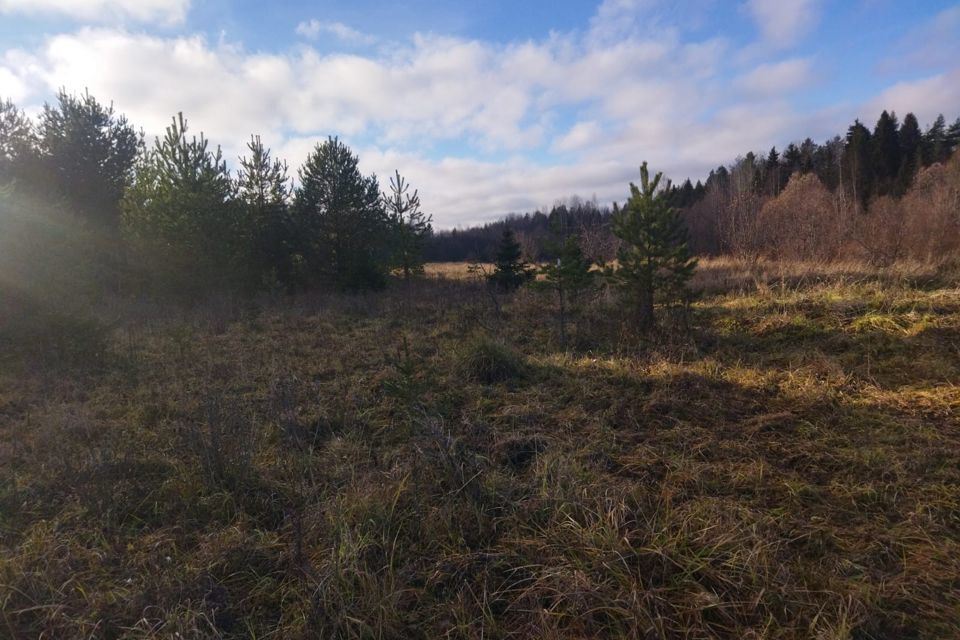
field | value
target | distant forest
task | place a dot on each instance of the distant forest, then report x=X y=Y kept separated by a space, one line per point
x=864 y=171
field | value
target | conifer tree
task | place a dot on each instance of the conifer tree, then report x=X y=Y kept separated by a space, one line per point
x=510 y=270
x=826 y=161
x=410 y=226
x=88 y=153
x=885 y=147
x=952 y=138
x=263 y=186
x=18 y=143
x=910 y=152
x=567 y=276
x=935 y=148
x=792 y=160
x=808 y=155
x=181 y=213
x=341 y=217
x=654 y=260
x=772 y=168
x=857 y=163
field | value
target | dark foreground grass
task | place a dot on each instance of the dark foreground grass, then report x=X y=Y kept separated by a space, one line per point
x=417 y=464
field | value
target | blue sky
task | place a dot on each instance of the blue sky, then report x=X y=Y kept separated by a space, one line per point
x=491 y=107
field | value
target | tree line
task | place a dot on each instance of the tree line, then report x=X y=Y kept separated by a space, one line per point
x=865 y=173
x=85 y=202
x=83 y=194
x=82 y=185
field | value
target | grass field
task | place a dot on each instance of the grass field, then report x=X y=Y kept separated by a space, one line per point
x=418 y=464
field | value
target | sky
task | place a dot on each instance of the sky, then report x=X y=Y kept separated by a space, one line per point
x=497 y=106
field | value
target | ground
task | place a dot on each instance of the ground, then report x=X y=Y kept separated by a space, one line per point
x=780 y=461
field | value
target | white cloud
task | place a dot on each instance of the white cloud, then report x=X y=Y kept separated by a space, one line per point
x=223 y=90
x=935 y=43
x=468 y=191
x=639 y=97
x=777 y=78
x=103 y=11
x=11 y=86
x=314 y=28
x=783 y=23
x=472 y=124
x=617 y=19
x=579 y=136
x=926 y=98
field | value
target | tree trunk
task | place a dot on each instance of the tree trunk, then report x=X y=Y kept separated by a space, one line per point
x=645 y=319
x=645 y=316
x=563 y=318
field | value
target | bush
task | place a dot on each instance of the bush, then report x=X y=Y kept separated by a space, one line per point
x=488 y=361
x=56 y=339
x=805 y=222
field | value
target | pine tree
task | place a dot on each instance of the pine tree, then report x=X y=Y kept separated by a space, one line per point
x=827 y=162
x=885 y=147
x=952 y=137
x=808 y=155
x=699 y=191
x=181 y=214
x=685 y=195
x=18 y=143
x=510 y=270
x=88 y=152
x=857 y=163
x=654 y=261
x=910 y=152
x=263 y=186
x=772 y=169
x=411 y=226
x=341 y=217
x=792 y=161
x=935 y=148
x=567 y=276
x=49 y=258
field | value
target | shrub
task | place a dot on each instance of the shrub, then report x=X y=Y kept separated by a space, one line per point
x=805 y=222
x=54 y=339
x=488 y=361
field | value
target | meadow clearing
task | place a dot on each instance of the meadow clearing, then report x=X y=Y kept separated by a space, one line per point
x=779 y=461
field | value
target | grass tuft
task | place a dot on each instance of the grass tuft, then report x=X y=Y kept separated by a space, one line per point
x=488 y=361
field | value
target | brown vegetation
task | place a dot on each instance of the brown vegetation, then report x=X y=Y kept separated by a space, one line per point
x=416 y=464
x=808 y=222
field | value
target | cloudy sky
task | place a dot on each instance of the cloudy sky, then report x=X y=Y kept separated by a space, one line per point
x=501 y=105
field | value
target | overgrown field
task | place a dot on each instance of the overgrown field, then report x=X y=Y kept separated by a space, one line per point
x=783 y=462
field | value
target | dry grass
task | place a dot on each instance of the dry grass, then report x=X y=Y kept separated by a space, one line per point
x=326 y=467
x=452 y=270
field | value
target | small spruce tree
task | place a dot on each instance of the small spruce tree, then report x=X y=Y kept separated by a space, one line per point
x=510 y=271
x=568 y=276
x=654 y=260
